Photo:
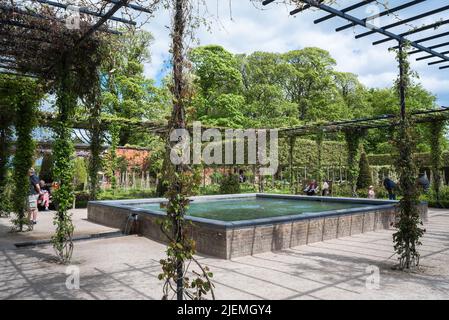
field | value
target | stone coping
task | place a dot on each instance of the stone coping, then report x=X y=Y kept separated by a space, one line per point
x=372 y=205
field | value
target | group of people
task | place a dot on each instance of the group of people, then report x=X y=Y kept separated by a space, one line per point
x=38 y=195
x=312 y=188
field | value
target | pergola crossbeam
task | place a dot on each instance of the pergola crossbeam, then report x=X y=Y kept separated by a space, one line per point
x=400 y=38
x=86 y=11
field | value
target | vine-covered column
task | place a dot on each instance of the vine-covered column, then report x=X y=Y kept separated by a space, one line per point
x=319 y=144
x=63 y=152
x=291 y=149
x=181 y=247
x=25 y=149
x=436 y=137
x=114 y=130
x=353 y=138
x=6 y=121
x=409 y=232
x=96 y=140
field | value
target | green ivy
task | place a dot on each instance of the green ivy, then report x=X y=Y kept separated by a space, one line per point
x=95 y=161
x=63 y=152
x=353 y=138
x=24 y=97
x=409 y=232
x=6 y=122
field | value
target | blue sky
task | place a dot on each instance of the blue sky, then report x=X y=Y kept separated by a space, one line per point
x=251 y=29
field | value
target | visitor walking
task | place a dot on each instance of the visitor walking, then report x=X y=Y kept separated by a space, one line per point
x=390 y=186
x=33 y=195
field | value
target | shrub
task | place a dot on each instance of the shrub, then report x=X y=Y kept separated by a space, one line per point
x=364 y=179
x=230 y=184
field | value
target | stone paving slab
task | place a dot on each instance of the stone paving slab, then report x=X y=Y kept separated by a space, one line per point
x=127 y=268
x=44 y=229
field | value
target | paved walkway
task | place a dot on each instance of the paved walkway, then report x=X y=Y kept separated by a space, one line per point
x=44 y=229
x=127 y=268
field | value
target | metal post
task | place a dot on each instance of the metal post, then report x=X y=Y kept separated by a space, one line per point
x=401 y=80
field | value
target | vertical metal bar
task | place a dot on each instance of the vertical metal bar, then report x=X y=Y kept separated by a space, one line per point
x=401 y=80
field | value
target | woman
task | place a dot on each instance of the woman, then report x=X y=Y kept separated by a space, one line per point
x=44 y=197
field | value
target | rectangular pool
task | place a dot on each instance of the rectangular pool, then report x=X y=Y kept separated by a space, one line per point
x=252 y=208
x=228 y=226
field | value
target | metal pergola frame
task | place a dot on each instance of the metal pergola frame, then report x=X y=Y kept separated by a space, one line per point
x=102 y=18
x=377 y=122
x=383 y=30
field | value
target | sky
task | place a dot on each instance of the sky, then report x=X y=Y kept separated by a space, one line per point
x=241 y=27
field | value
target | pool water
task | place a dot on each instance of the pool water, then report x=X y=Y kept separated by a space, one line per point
x=256 y=208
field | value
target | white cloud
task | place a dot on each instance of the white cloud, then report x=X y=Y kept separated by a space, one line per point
x=274 y=30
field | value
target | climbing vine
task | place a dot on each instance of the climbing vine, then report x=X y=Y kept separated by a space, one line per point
x=407 y=237
x=114 y=130
x=63 y=151
x=319 y=144
x=181 y=180
x=436 y=136
x=6 y=122
x=96 y=133
x=353 y=138
x=25 y=99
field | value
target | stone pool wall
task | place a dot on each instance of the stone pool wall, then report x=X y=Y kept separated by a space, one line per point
x=230 y=240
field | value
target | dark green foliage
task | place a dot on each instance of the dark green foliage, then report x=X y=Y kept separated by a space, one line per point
x=63 y=152
x=409 y=232
x=230 y=184
x=6 y=119
x=5 y=196
x=23 y=159
x=407 y=238
x=364 y=179
x=46 y=171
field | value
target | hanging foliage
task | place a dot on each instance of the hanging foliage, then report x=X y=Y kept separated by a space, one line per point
x=407 y=237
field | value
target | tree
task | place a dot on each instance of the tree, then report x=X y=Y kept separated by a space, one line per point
x=309 y=82
x=126 y=92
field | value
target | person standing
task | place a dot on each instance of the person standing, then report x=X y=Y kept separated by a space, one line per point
x=371 y=193
x=33 y=196
x=325 y=188
x=390 y=185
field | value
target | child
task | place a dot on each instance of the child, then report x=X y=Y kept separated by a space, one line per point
x=371 y=193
